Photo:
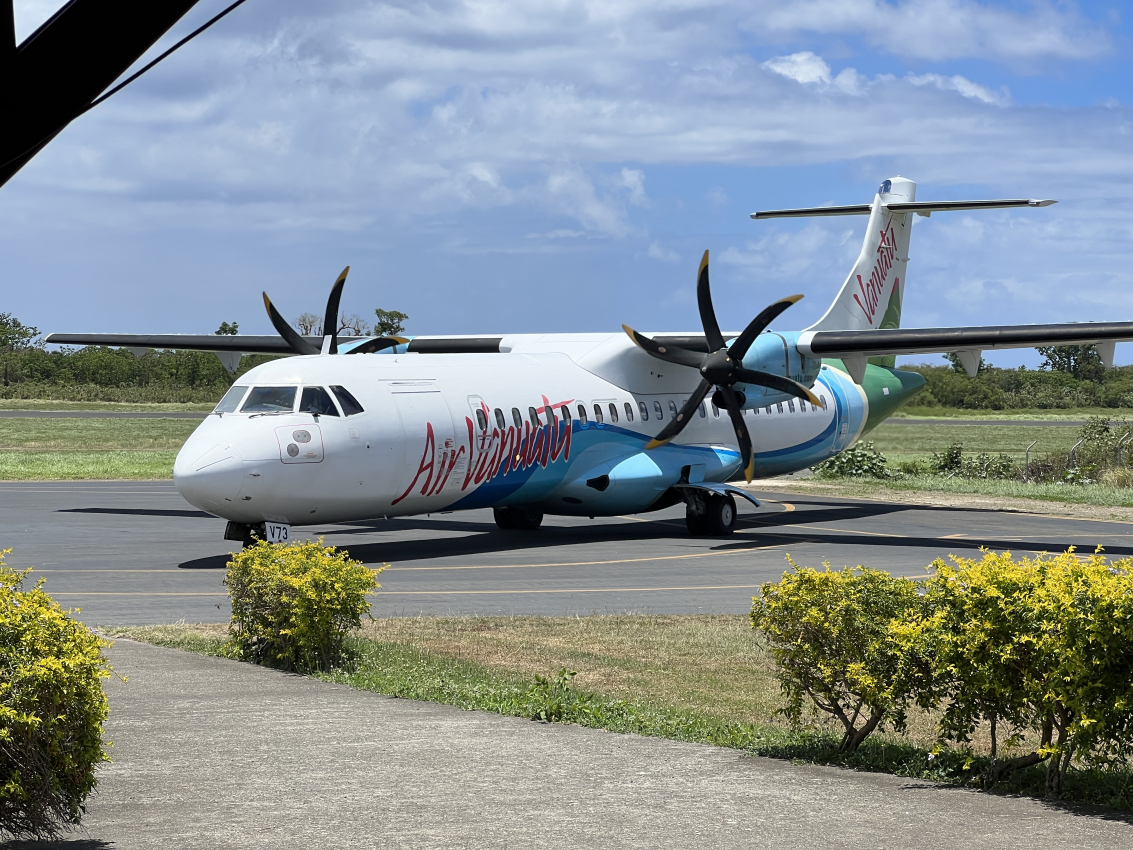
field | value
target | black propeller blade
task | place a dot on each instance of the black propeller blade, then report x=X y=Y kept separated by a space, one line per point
x=299 y=345
x=722 y=368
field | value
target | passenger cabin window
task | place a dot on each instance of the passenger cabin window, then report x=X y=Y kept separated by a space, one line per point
x=791 y=405
x=316 y=400
x=231 y=400
x=644 y=410
x=565 y=411
x=533 y=415
x=672 y=409
x=517 y=418
x=270 y=400
x=582 y=414
x=779 y=407
x=501 y=423
x=768 y=409
x=822 y=398
x=549 y=412
x=613 y=412
x=346 y=401
x=481 y=419
x=715 y=410
x=598 y=414
x=703 y=412
x=629 y=412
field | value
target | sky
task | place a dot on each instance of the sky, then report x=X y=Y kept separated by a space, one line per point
x=491 y=167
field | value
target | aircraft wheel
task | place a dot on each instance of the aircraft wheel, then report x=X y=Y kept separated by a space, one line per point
x=505 y=519
x=697 y=523
x=721 y=515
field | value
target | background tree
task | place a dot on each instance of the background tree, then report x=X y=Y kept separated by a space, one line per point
x=1081 y=361
x=309 y=324
x=226 y=329
x=353 y=323
x=17 y=336
x=390 y=322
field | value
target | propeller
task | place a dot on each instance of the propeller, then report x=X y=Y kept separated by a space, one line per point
x=301 y=345
x=722 y=368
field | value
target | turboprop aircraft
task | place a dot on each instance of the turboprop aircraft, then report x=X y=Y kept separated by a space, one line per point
x=584 y=424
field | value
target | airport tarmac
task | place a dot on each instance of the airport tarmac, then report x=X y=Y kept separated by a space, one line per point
x=135 y=552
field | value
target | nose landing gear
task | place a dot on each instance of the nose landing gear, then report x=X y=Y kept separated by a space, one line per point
x=709 y=514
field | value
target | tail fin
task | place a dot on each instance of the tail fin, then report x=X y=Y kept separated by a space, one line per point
x=872 y=295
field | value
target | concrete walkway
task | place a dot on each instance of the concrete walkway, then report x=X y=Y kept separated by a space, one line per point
x=216 y=754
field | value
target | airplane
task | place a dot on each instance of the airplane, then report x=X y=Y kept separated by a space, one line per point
x=577 y=424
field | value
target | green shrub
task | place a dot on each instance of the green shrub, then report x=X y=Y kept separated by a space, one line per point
x=292 y=605
x=831 y=635
x=859 y=460
x=51 y=710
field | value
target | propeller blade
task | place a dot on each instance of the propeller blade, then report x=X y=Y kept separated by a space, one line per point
x=372 y=345
x=732 y=404
x=677 y=425
x=289 y=334
x=739 y=348
x=777 y=382
x=330 y=318
x=707 y=314
x=668 y=353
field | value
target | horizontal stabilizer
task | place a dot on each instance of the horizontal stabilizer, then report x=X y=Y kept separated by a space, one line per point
x=924 y=208
x=904 y=341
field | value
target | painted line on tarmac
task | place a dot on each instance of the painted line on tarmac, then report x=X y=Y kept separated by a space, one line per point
x=742 y=551
x=564 y=590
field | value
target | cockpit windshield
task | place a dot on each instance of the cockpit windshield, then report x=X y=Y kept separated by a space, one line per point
x=316 y=400
x=231 y=400
x=270 y=400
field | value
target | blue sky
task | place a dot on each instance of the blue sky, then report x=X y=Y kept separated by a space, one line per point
x=560 y=166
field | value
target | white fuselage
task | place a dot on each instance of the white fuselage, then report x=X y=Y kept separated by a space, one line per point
x=454 y=431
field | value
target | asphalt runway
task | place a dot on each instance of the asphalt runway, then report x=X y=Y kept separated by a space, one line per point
x=135 y=552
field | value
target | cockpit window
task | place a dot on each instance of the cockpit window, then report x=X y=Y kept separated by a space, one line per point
x=349 y=403
x=317 y=401
x=231 y=400
x=270 y=400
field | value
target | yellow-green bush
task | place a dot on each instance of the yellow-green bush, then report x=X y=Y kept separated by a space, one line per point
x=1038 y=649
x=293 y=605
x=1036 y=645
x=831 y=635
x=51 y=710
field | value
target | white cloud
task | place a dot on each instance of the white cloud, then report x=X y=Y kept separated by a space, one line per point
x=946 y=29
x=633 y=180
x=804 y=67
x=657 y=251
x=964 y=86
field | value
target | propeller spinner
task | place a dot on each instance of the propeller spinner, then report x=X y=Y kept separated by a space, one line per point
x=722 y=368
x=301 y=345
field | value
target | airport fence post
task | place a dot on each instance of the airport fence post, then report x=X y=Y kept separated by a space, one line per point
x=1027 y=463
x=1074 y=448
x=1121 y=447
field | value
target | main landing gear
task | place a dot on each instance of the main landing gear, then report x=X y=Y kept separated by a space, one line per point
x=523 y=519
x=710 y=514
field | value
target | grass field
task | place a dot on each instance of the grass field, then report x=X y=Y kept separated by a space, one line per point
x=906 y=442
x=49 y=404
x=1033 y=413
x=62 y=448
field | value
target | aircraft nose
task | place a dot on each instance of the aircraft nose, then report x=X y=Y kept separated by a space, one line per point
x=210 y=481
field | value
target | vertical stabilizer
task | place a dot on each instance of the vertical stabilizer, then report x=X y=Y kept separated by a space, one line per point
x=872 y=295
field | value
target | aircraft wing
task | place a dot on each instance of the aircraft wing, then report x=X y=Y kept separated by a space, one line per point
x=853 y=347
x=245 y=344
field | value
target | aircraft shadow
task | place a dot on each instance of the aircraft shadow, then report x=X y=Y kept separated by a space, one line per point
x=136 y=512
x=211 y=562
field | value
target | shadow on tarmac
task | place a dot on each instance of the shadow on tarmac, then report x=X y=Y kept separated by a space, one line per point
x=135 y=512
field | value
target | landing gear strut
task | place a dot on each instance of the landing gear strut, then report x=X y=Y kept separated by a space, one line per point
x=710 y=514
x=523 y=519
